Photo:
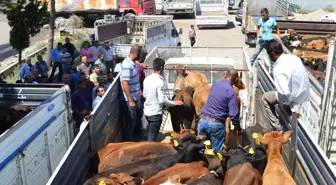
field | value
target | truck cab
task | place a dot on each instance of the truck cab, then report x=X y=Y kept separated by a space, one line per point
x=133 y=7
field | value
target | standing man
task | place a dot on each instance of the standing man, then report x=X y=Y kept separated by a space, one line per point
x=66 y=60
x=95 y=50
x=109 y=56
x=264 y=32
x=101 y=62
x=192 y=35
x=221 y=104
x=56 y=62
x=100 y=91
x=70 y=47
x=291 y=82
x=155 y=99
x=131 y=90
x=85 y=67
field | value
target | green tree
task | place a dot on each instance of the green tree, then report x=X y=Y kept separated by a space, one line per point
x=329 y=8
x=25 y=20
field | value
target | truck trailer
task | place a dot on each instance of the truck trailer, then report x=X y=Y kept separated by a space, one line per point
x=302 y=155
x=96 y=9
x=32 y=148
x=146 y=31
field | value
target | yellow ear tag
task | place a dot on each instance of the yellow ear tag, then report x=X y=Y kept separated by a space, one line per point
x=185 y=67
x=219 y=155
x=291 y=42
x=201 y=137
x=175 y=143
x=251 y=151
x=255 y=137
x=172 y=135
x=102 y=183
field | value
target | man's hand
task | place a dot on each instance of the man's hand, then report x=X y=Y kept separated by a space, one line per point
x=145 y=66
x=178 y=102
x=132 y=105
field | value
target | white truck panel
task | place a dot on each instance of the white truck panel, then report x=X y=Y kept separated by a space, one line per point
x=32 y=148
x=211 y=13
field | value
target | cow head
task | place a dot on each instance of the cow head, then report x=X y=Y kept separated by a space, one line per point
x=179 y=84
x=274 y=140
x=239 y=84
x=181 y=70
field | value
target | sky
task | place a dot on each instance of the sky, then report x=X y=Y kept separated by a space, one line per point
x=313 y=4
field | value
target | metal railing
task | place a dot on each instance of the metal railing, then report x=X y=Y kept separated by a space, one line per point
x=302 y=155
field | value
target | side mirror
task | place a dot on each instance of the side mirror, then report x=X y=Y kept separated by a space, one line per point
x=180 y=31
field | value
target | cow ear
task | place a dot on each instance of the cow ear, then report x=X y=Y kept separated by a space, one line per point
x=286 y=136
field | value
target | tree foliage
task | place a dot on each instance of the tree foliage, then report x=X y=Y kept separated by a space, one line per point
x=25 y=20
x=329 y=8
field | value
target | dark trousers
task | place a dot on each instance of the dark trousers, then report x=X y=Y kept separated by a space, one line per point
x=109 y=66
x=192 y=41
x=154 y=126
x=138 y=129
x=129 y=121
x=60 y=71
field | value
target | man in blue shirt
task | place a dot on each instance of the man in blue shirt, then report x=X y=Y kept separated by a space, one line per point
x=221 y=104
x=131 y=89
x=26 y=69
x=66 y=60
x=56 y=62
x=100 y=91
x=264 y=32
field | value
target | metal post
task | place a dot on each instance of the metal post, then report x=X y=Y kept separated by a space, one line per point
x=293 y=144
x=331 y=56
x=190 y=54
x=207 y=54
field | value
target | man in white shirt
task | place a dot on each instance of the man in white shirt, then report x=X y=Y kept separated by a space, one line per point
x=155 y=98
x=100 y=91
x=291 y=82
x=95 y=50
x=109 y=56
x=192 y=35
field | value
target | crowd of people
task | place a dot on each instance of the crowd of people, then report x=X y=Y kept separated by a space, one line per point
x=88 y=80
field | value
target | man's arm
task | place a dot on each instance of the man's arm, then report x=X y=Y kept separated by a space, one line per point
x=125 y=76
x=162 y=98
x=283 y=93
x=277 y=29
x=233 y=110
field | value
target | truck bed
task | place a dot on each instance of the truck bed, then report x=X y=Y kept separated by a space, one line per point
x=32 y=148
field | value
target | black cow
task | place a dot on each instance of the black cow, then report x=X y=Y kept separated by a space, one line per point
x=149 y=167
x=237 y=156
x=11 y=114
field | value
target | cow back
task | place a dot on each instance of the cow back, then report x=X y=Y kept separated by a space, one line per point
x=208 y=179
x=239 y=156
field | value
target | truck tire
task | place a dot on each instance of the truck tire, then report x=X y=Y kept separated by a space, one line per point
x=246 y=40
x=242 y=29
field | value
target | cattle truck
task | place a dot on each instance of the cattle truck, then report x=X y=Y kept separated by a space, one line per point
x=146 y=31
x=31 y=149
x=211 y=14
x=175 y=7
x=303 y=155
x=95 y=9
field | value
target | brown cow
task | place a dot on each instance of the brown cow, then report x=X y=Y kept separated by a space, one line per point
x=191 y=78
x=201 y=96
x=119 y=179
x=11 y=114
x=276 y=172
x=182 y=116
x=243 y=174
x=117 y=154
x=187 y=171
x=174 y=180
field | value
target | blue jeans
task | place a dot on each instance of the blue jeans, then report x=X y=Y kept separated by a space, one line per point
x=262 y=44
x=213 y=131
x=154 y=126
x=129 y=122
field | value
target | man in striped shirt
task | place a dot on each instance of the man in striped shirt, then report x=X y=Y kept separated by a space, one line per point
x=131 y=89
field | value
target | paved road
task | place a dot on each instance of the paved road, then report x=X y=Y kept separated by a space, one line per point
x=5 y=49
x=231 y=36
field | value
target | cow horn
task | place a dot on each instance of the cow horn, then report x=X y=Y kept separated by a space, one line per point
x=246 y=147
